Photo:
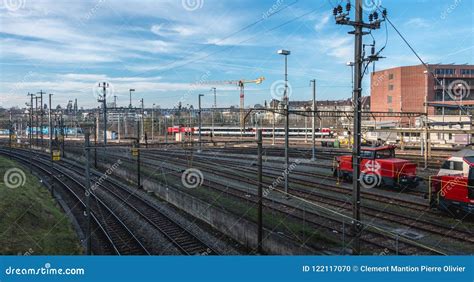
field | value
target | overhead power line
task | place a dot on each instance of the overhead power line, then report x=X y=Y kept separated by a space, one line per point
x=232 y=46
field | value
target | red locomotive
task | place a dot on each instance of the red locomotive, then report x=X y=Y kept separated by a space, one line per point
x=379 y=167
x=453 y=188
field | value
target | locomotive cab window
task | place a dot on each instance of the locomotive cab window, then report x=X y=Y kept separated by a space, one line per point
x=452 y=165
x=385 y=154
x=367 y=154
x=470 y=183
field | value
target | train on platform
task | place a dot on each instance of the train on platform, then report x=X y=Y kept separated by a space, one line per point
x=452 y=189
x=378 y=167
x=251 y=131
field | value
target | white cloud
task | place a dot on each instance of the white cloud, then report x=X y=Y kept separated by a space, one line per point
x=322 y=22
x=339 y=47
x=417 y=23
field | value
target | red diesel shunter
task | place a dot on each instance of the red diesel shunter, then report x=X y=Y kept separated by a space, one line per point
x=453 y=188
x=378 y=167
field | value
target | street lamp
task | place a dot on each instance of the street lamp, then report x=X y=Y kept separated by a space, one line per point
x=351 y=64
x=200 y=121
x=130 y=91
x=287 y=121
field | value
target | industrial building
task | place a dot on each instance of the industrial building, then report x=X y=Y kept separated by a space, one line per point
x=406 y=88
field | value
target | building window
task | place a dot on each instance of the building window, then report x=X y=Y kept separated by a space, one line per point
x=390 y=76
x=390 y=87
x=444 y=71
x=467 y=71
x=390 y=110
x=389 y=99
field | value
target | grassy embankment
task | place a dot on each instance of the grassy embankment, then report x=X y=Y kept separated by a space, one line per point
x=31 y=222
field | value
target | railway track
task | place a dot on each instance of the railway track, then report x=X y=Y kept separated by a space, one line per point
x=120 y=239
x=373 y=238
x=178 y=236
x=412 y=221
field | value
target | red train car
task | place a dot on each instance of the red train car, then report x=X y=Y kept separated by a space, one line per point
x=453 y=188
x=177 y=129
x=378 y=167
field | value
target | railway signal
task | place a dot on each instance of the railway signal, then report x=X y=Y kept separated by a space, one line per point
x=103 y=99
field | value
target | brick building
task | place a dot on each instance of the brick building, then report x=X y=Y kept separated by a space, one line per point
x=403 y=89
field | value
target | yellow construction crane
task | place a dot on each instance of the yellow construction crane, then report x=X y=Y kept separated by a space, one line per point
x=241 y=84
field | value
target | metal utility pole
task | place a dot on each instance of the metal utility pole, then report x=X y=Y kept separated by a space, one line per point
x=313 y=108
x=118 y=126
x=41 y=93
x=166 y=128
x=115 y=101
x=139 y=180
x=96 y=137
x=142 y=120
x=51 y=146
x=374 y=23
x=63 y=135
x=213 y=110
x=88 y=193
x=260 y=193
x=10 y=130
x=287 y=118
x=425 y=125
x=153 y=123
x=103 y=99
x=30 y=132
x=130 y=92
x=37 y=121
x=200 y=122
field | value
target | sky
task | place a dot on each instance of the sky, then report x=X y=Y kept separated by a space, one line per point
x=169 y=51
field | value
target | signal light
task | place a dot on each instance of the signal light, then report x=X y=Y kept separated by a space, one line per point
x=348 y=6
x=339 y=9
x=384 y=13
x=371 y=18
x=334 y=11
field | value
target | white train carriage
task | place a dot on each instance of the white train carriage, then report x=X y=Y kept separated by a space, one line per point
x=266 y=131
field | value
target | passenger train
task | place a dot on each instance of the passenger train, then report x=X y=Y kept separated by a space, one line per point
x=251 y=131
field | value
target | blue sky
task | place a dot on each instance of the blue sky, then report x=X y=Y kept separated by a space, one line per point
x=165 y=48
